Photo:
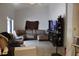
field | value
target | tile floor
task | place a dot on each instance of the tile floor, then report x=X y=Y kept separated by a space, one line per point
x=44 y=48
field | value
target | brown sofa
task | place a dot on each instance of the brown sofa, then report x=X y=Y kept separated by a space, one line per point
x=32 y=32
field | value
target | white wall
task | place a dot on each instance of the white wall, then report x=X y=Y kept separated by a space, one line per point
x=39 y=13
x=69 y=31
x=43 y=13
x=5 y=10
x=57 y=9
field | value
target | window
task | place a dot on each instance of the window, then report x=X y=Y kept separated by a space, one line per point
x=10 y=25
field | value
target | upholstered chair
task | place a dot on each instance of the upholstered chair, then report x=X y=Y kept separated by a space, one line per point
x=30 y=29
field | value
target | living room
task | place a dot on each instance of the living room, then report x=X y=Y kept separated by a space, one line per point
x=20 y=13
x=41 y=12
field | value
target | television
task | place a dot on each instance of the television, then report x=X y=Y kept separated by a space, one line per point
x=53 y=25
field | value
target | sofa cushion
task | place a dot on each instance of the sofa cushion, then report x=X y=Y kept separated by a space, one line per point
x=31 y=32
x=40 y=32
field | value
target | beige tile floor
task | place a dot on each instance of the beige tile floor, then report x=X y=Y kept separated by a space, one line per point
x=44 y=48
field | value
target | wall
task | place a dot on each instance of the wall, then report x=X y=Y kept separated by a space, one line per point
x=33 y=13
x=57 y=9
x=5 y=10
x=76 y=20
x=69 y=29
x=43 y=13
x=72 y=26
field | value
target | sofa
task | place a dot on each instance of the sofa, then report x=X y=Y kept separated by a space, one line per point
x=41 y=35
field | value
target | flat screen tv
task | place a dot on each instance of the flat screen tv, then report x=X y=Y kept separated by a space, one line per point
x=52 y=25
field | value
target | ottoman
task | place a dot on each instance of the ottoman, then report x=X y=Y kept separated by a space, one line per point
x=42 y=37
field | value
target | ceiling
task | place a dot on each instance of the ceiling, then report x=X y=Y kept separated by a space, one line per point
x=23 y=5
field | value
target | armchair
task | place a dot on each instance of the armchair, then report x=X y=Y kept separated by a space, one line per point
x=18 y=40
x=30 y=29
